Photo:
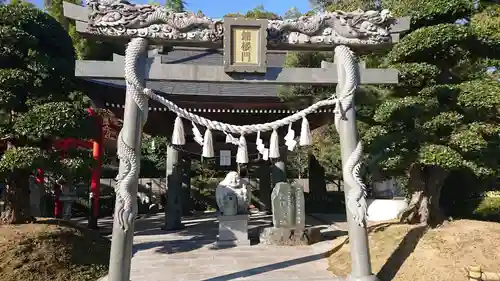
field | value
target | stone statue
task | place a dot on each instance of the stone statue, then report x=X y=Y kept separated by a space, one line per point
x=232 y=189
x=233 y=199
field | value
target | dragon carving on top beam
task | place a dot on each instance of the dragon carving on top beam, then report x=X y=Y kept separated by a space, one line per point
x=121 y=18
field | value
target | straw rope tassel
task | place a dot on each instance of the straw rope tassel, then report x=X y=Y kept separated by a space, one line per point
x=178 y=137
x=305 y=133
x=208 y=146
x=274 y=145
x=242 y=154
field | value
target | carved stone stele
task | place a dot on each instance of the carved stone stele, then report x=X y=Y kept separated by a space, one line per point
x=121 y=18
x=289 y=227
x=288 y=206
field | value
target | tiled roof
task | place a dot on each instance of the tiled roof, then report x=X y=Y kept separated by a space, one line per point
x=205 y=57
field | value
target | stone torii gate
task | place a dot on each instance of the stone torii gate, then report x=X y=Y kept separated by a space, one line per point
x=245 y=44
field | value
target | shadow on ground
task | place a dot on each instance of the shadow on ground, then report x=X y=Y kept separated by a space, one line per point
x=267 y=268
x=402 y=252
x=399 y=256
x=197 y=233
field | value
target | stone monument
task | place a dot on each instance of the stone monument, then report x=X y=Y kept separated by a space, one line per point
x=233 y=199
x=289 y=226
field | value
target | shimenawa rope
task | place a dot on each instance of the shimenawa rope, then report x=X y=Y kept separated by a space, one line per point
x=348 y=74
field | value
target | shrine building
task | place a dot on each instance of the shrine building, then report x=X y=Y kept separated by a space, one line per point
x=233 y=103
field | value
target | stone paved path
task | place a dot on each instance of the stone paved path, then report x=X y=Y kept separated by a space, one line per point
x=190 y=255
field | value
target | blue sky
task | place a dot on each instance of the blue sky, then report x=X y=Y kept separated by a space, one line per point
x=217 y=8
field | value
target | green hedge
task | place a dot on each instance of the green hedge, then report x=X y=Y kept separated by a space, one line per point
x=488 y=209
x=202 y=194
x=476 y=207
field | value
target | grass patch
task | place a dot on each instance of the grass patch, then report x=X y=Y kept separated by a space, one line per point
x=404 y=252
x=52 y=250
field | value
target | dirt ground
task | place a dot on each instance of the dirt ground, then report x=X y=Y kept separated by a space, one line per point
x=51 y=250
x=403 y=252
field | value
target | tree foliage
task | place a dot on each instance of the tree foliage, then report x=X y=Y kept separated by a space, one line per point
x=176 y=5
x=41 y=59
x=427 y=13
x=258 y=12
x=292 y=13
x=84 y=48
x=349 y=6
x=486 y=23
x=21 y=160
x=37 y=101
x=154 y=152
x=344 y=5
x=442 y=116
x=437 y=111
x=64 y=119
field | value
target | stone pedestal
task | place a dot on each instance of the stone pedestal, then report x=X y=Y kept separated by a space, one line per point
x=67 y=205
x=68 y=197
x=290 y=237
x=233 y=231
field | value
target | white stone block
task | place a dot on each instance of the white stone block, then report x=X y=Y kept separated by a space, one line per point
x=233 y=231
x=385 y=209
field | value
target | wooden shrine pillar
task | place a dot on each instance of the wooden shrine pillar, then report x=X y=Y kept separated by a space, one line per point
x=186 y=202
x=265 y=188
x=173 y=209
x=317 y=183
